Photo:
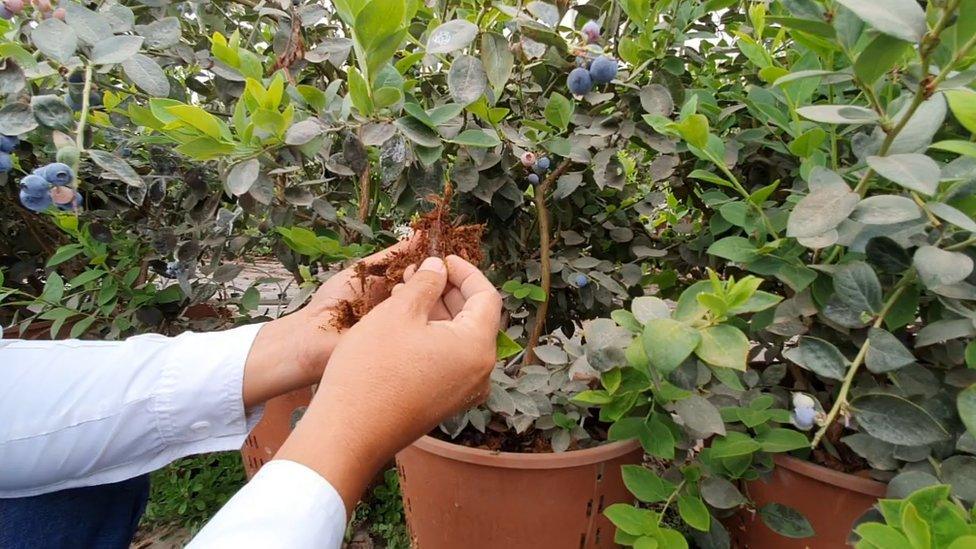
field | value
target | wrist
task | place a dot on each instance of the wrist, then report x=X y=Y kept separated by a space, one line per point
x=288 y=353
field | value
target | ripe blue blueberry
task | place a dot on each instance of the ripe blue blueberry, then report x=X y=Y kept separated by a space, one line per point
x=8 y=143
x=579 y=81
x=6 y=163
x=35 y=185
x=75 y=104
x=37 y=203
x=591 y=30
x=804 y=418
x=541 y=165
x=603 y=69
x=533 y=178
x=581 y=280
x=5 y=13
x=58 y=173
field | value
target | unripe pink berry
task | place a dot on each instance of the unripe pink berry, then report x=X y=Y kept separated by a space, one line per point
x=60 y=13
x=15 y=6
x=528 y=159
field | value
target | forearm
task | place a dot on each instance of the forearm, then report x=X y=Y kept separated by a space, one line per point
x=79 y=413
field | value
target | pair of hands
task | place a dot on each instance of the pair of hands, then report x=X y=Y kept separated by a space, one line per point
x=419 y=356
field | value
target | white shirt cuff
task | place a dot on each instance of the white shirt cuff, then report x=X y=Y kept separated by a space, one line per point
x=286 y=505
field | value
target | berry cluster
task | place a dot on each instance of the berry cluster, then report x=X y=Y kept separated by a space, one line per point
x=539 y=166
x=602 y=70
x=47 y=185
x=10 y=8
x=7 y=145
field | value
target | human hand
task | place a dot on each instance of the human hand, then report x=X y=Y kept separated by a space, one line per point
x=397 y=373
x=291 y=351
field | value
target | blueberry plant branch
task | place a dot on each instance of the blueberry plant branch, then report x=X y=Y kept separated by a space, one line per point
x=840 y=403
x=545 y=250
x=926 y=86
x=83 y=118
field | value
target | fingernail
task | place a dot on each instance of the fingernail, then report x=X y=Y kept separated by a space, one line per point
x=435 y=264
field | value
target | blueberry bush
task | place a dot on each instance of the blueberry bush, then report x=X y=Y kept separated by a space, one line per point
x=727 y=229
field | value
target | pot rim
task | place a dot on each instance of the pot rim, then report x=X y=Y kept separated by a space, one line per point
x=846 y=481
x=514 y=460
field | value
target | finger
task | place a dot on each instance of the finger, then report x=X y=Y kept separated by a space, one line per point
x=481 y=315
x=425 y=287
x=441 y=311
x=453 y=300
x=466 y=277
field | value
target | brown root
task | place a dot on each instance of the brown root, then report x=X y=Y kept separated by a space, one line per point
x=436 y=234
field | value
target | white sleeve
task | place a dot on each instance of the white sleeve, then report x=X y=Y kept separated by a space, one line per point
x=80 y=413
x=285 y=506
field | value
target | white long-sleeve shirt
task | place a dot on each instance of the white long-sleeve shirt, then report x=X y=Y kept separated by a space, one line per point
x=80 y=413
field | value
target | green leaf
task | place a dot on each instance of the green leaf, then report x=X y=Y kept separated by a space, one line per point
x=505 y=346
x=699 y=414
x=734 y=444
x=915 y=528
x=721 y=494
x=885 y=352
x=64 y=253
x=857 y=285
x=451 y=36
x=838 y=114
x=693 y=129
x=53 y=289
x=724 y=346
x=657 y=438
x=879 y=57
x=902 y=19
x=957 y=146
x=782 y=440
x=467 y=80
x=630 y=519
x=896 y=420
x=497 y=58
x=915 y=172
x=477 y=138
x=558 y=111
x=668 y=343
x=694 y=512
x=966 y=405
x=941 y=267
x=734 y=248
x=883 y=536
x=821 y=211
x=378 y=20
x=359 y=92
x=818 y=356
x=963 y=105
x=785 y=521
x=645 y=485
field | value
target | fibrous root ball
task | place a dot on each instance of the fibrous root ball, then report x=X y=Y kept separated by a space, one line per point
x=435 y=234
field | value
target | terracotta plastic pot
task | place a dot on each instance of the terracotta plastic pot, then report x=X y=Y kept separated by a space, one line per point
x=280 y=414
x=829 y=499
x=460 y=497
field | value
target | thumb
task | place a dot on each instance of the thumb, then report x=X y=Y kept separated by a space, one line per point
x=423 y=291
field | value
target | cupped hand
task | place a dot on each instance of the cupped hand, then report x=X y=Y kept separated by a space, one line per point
x=399 y=372
x=291 y=351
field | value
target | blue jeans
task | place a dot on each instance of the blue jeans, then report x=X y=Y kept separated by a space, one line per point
x=94 y=517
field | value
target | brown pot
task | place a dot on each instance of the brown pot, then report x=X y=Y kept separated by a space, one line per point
x=829 y=499
x=455 y=496
x=280 y=415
